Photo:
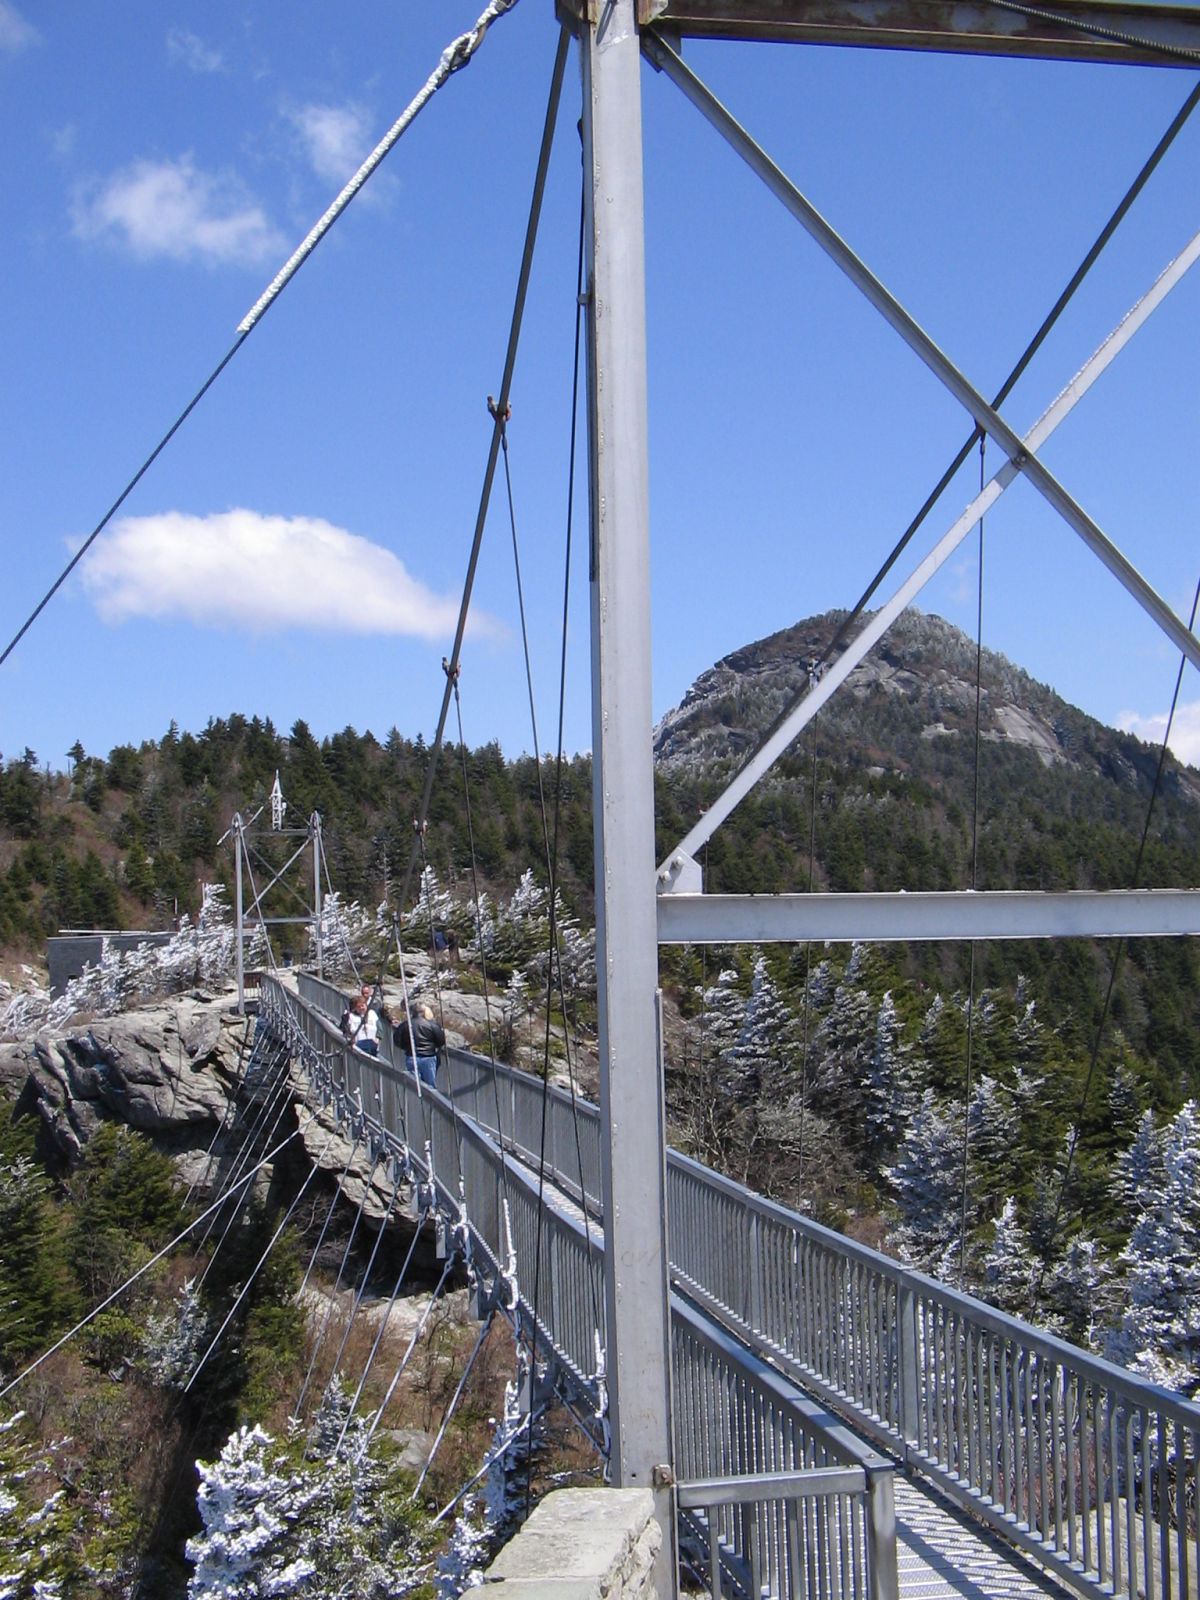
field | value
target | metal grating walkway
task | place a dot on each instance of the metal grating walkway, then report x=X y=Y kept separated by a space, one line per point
x=940 y=1554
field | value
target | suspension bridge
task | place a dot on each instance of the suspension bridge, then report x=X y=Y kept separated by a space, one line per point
x=843 y=1426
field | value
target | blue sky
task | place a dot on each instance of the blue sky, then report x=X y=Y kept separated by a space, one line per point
x=299 y=548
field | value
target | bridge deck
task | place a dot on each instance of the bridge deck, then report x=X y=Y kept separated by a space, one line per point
x=941 y=1554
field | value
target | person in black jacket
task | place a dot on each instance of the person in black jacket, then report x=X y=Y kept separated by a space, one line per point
x=421 y=1051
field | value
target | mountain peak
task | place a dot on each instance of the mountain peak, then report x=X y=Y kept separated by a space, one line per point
x=900 y=711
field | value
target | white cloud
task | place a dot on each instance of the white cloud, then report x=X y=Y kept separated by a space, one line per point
x=15 y=33
x=336 y=139
x=170 y=208
x=263 y=573
x=1185 y=730
x=193 y=52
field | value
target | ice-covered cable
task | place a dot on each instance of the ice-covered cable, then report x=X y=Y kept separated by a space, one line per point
x=456 y=54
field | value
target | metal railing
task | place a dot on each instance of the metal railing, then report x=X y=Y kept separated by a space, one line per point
x=1072 y=1459
x=827 y=1529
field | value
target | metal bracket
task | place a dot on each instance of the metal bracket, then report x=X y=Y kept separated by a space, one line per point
x=680 y=874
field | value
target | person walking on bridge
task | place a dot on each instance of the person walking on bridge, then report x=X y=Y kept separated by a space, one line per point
x=421 y=1050
x=364 y=1024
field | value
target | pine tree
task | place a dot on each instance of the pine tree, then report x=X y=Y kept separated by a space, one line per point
x=1076 y=1292
x=926 y=1182
x=1159 y=1335
x=252 y=1509
x=1139 y=1170
x=840 y=1059
x=1009 y=1265
x=37 y=1521
x=763 y=1086
x=889 y=1098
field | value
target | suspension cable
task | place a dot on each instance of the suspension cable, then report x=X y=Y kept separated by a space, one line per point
x=453 y=1406
x=494 y=1455
x=246 y=1287
x=281 y=1068
x=812 y=864
x=966 y=1137
x=456 y=55
x=274 y=1074
x=370 y=1361
x=558 y=755
x=366 y=1278
x=437 y=976
x=230 y=1107
x=370 y=1179
x=1097 y=30
x=453 y=676
x=412 y=1345
x=337 y=1194
x=553 y=895
x=535 y=210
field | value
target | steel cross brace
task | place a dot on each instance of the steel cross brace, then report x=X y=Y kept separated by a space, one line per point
x=661 y=55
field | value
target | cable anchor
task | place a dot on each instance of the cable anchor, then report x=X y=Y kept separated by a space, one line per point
x=601 y=1411
x=508 y=1291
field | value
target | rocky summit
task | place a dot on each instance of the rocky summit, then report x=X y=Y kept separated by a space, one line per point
x=910 y=699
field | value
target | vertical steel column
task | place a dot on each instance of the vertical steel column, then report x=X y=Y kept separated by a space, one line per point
x=638 y=1368
x=315 y=825
x=241 y=928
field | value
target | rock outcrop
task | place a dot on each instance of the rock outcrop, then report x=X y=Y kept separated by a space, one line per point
x=167 y=1069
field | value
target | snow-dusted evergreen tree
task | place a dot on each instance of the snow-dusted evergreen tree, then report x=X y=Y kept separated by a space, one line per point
x=278 y=1523
x=1159 y=1335
x=1075 y=1293
x=822 y=979
x=704 y=1113
x=175 y=1338
x=1009 y=1267
x=889 y=1097
x=722 y=1010
x=347 y=937
x=435 y=906
x=576 y=957
x=926 y=1180
x=762 y=1082
x=841 y=1052
x=1027 y=1030
x=1139 y=1170
x=763 y=1055
x=252 y=1508
x=37 y=1520
x=992 y=1130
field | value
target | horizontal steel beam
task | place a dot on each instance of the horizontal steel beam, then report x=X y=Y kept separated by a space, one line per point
x=756 y=1487
x=962 y=914
x=1073 y=30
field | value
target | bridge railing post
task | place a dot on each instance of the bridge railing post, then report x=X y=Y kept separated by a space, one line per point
x=883 y=1573
x=756 y=1273
x=908 y=1357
